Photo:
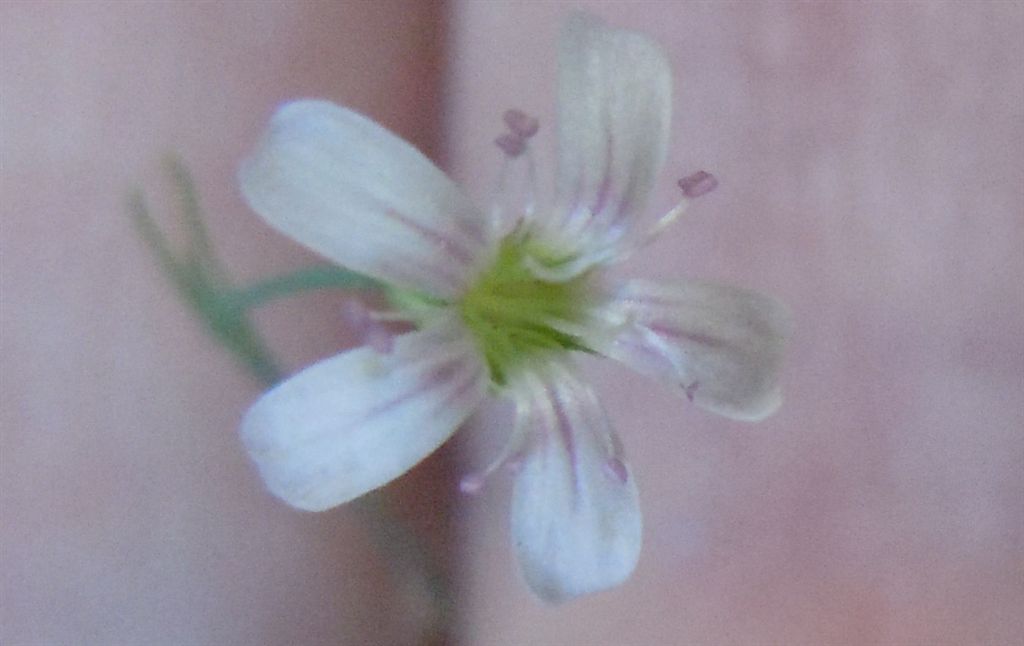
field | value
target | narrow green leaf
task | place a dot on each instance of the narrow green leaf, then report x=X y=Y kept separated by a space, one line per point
x=200 y=248
x=152 y=235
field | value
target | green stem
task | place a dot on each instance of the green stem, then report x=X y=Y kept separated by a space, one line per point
x=401 y=547
x=303 y=280
x=404 y=549
x=201 y=283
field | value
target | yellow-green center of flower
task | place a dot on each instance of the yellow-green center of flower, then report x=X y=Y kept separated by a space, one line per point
x=516 y=317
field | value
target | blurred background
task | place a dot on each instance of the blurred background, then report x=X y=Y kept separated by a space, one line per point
x=871 y=160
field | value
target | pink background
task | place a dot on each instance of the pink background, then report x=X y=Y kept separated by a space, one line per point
x=871 y=158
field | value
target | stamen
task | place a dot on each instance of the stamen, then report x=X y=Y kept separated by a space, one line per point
x=511 y=454
x=473 y=483
x=380 y=340
x=668 y=351
x=691 y=389
x=511 y=144
x=700 y=183
x=509 y=459
x=514 y=193
x=368 y=325
x=665 y=220
x=514 y=464
x=693 y=186
x=392 y=317
x=615 y=468
x=521 y=124
x=521 y=127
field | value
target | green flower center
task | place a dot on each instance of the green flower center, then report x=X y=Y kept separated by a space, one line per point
x=513 y=315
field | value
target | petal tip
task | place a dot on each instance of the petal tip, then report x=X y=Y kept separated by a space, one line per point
x=351 y=424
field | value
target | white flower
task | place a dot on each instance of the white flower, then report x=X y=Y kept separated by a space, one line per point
x=501 y=301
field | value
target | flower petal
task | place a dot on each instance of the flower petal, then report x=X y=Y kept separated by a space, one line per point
x=352 y=423
x=723 y=345
x=347 y=188
x=615 y=98
x=576 y=520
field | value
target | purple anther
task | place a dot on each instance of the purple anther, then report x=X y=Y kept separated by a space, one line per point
x=698 y=184
x=615 y=468
x=514 y=464
x=511 y=144
x=380 y=339
x=691 y=390
x=356 y=314
x=520 y=123
x=371 y=332
x=471 y=484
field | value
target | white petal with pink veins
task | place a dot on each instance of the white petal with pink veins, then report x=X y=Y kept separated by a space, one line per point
x=352 y=423
x=723 y=345
x=615 y=97
x=347 y=188
x=576 y=520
